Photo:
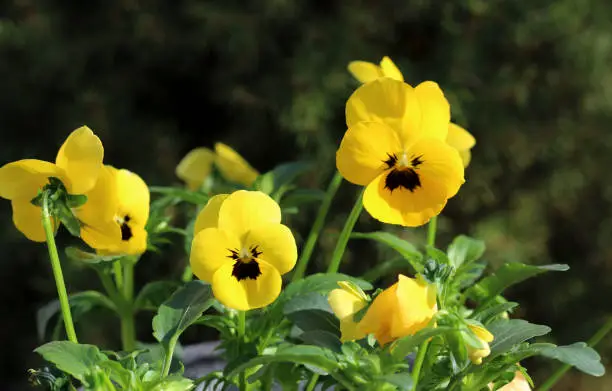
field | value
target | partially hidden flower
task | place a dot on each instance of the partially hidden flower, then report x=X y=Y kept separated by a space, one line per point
x=116 y=213
x=484 y=337
x=395 y=147
x=77 y=165
x=365 y=72
x=242 y=249
x=346 y=302
x=519 y=383
x=197 y=165
x=400 y=310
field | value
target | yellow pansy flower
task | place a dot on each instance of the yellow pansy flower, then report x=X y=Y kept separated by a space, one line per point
x=345 y=303
x=77 y=165
x=519 y=383
x=476 y=354
x=400 y=310
x=242 y=249
x=395 y=146
x=365 y=72
x=197 y=165
x=114 y=217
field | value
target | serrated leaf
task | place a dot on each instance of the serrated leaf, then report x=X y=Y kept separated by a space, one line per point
x=506 y=276
x=320 y=282
x=578 y=354
x=468 y=273
x=154 y=294
x=311 y=311
x=510 y=332
x=322 y=338
x=404 y=248
x=485 y=314
x=464 y=249
x=74 y=359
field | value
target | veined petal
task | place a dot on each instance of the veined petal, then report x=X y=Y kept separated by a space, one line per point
x=23 y=178
x=276 y=244
x=102 y=200
x=209 y=216
x=233 y=166
x=210 y=250
x=105 y=235
x=365 y=71
x=389 y=69
x=195 y=167
x=81 y=158
x=244 y=210
x=28 y=219
x=364 y=149
x=435 y=110
x=248 y=293
x=134 y=197
x=459 y=138
x=442 y=165
x=416 y=305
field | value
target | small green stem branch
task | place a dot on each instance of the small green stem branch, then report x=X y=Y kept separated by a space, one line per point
x=334 y=264
x=312 y=383
x=317 y=226
x=57 y=270
x=168 y=357
x=241 y=330
x=422 y=353
x=128 y=331
x=595 y=339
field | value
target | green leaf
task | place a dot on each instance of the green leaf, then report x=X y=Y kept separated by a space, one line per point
x=65 y=215
x=322 y=338
x=404 y=248
x=578 y=354
x=74 y=359
x=320 y=282
x=486 y=314
x=192 y=197
x=78 y=255
x=80 y=303
x=403 y=381
x=468 y=273
x=171 y=383
x=298 y=197
x=75 y=200
x=510 y=332
x=310 y=312
x=406 y=345
x=464 y=249
x=275 y=182
x=154 y=294
x=182 y=309
x=506 y=276
x=316 y=356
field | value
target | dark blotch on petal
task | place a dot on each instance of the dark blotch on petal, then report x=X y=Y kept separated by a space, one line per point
x=243 y=270
x=126 y=232
x=406 y=178
x=391 y=161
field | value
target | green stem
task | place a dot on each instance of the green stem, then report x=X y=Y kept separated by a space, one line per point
x=313 y=382
x=168 y=357
x=422 y=353
x=241 y=329
x=128 y=331
x=595 y=339
x=317 y=226
x=334 y=265
x=57 y=270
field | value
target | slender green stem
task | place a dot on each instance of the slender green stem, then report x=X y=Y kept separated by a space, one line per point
x=57 y=270
x=168 y=357
x=312 y=383
x=595 y=339
x=422 y=353
x=241 y=329
x=128 y=331
x=317 y=226
x=334 y=265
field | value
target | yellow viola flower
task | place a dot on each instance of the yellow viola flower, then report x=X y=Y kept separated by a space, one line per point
x=400 y=310
x=197 y=165
x=77 y=165
x=365 y=72
x=345 y=303
x=476 y=354
x=519 y=383
x=242 y=249
x=114 y=217
x=395 y=147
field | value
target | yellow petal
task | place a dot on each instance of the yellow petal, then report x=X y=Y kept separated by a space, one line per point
x=134 y=197
x=364 y=149
x=345 y=304
x=105 y=235
x=390 y=101
x=276 y=244
x=416 y=306
x=209 y=216
x=389 y=69
x=378 y=318
x=244 y=210
x=210 y=250
x=195 y=167
x=233 y=167
x=519 y=383
x=442 y=165
x=102 y=200
x=28 y=219
x=459 y=138
x=482 y=333
x=435 y=110
x=81 y=158
x=365 y=71
x=23 y=178
x=466 y=157
x=248 y=293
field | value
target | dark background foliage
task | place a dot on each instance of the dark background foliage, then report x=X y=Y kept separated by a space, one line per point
x=531 y=80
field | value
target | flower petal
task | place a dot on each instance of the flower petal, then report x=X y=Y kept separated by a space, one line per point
x=28 y=219
x=102 y=200
x=389 y=69
x=248 y=293
x=276 y=244
x=365 y=71
x=244 y=210
x=442 y=166
x=195 y=167
x=134 y=197
x=23 y=178
x=364 y=149
x=345 y=303
x=416 y=306
x=210 y=250
x=81 y=158
x=233 y=167
x=435 y=110
x=459 y=138
x=209 y=216
x=105 y=235
x=377 y=319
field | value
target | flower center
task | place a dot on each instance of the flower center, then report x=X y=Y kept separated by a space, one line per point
x=245 y=265
x=126 y=231
x=403 y=172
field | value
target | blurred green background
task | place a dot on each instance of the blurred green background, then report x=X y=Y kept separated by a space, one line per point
x=531 y=80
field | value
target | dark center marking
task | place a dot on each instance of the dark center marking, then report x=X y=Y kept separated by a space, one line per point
x=126 y=231
x=401 y=176
x=245 y=268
